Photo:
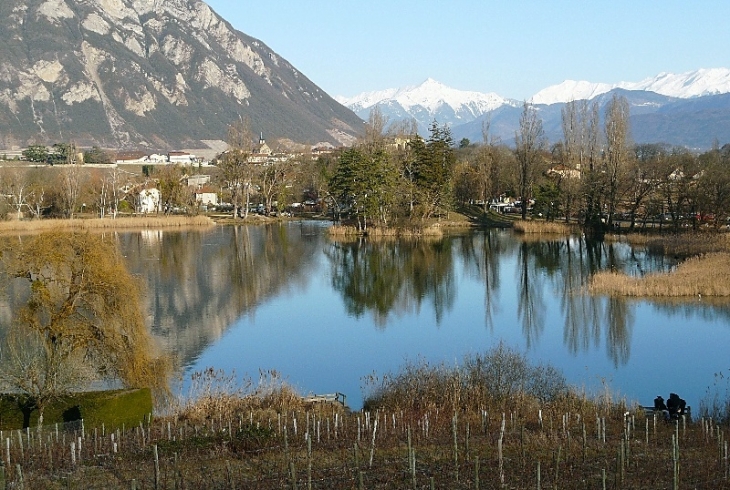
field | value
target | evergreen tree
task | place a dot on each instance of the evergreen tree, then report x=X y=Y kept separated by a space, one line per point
x=434 y=161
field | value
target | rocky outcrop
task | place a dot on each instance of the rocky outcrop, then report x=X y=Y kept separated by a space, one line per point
x=148 y=74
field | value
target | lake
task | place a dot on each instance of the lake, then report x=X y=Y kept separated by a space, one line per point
x=325 y=314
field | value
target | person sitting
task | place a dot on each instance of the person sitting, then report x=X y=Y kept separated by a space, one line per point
x=659 y=405
x=682 y=407
x=673 y=405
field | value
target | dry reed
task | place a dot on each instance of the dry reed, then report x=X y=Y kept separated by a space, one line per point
x=542 y=228
x=705 y=275
x=376 y=232
x=93 y=224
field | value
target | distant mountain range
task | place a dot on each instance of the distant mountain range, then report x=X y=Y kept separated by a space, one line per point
x=690 y=109
x=143 y=74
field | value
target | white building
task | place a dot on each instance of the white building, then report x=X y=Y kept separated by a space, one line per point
x=149 y=201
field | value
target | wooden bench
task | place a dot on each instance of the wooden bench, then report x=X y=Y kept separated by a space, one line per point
x=326 y=398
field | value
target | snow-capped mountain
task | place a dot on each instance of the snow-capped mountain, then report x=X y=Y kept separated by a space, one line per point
x=431 y=95
x=690 y=109
x=686 y=85
x=429 y=101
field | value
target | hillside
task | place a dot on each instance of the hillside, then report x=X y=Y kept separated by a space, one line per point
x=149 y=75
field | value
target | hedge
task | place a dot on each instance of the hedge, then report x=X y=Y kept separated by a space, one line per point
x=113 y=408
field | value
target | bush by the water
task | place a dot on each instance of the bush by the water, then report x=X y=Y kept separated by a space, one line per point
x=500 y=377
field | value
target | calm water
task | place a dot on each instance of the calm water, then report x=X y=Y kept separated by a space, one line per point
x=325 y=314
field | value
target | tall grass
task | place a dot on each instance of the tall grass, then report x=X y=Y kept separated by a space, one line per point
x=138 y=222
x=542 y=228
x=705 y=275
x=374 y=232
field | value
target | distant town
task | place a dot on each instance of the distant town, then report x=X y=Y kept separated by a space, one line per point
x=136 y=182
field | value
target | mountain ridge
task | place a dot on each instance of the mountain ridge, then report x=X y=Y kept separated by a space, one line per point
x=670 y=113
x=148 y=74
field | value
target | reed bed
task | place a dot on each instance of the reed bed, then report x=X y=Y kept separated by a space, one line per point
x=705 y=275
x=542 y=228
x=93 y=224
x=689 y=244
x=434 y=231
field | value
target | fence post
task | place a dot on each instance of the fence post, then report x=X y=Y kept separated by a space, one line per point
x=157 y=466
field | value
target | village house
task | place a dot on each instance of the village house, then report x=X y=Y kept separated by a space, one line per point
x=563 y=172
x=130 y=157
x=182 y=157
x=198 y=181
x=206 y=196
x=148 y=201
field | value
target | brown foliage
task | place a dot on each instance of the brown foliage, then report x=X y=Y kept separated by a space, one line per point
x=699 y=276
x=82 y=308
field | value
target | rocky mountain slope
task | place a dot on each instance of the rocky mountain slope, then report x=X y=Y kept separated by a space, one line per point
x=149 y=74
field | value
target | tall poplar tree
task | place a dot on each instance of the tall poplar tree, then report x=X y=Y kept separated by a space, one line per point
x=529 y=141
x=618 y=151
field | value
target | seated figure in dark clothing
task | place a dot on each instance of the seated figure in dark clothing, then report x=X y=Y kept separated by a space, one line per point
x=676 y=406
x=659 y=405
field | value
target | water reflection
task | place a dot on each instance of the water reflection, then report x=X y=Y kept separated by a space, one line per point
x=326 y=313
x=396 y=277
x=481 y=254
x=199 y=283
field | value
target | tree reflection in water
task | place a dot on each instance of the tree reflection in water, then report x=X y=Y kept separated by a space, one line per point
x=201 y=283
x=385 y=276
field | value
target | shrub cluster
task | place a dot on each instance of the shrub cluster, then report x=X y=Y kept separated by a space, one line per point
x=501 y=376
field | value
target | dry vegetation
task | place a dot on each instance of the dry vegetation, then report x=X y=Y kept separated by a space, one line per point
x=678 y=245
x=267 y=438
x=543 y=228
x=93 y=224
x=346 y=231
x=705 y=275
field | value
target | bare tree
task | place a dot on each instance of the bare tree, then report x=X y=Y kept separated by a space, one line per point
x=581 y=152
x=16 y=188
x=375 y=128
x=618 y=151
x=274 y=179
x=236 y=170
x=115 y=177
x=71 y=185
x=529 y=142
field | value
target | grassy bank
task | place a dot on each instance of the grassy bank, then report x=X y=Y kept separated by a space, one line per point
x=429 y=436
x=542 y=228
x=92 y=224
x=678 y=245
x=705 y=275
x=374 y=232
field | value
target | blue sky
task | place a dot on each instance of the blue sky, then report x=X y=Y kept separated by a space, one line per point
x=514 y=48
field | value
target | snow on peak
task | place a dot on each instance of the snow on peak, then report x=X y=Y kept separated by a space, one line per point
x=705 y=81
x=683 y=85
x=570 y=90
x=431 y=95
